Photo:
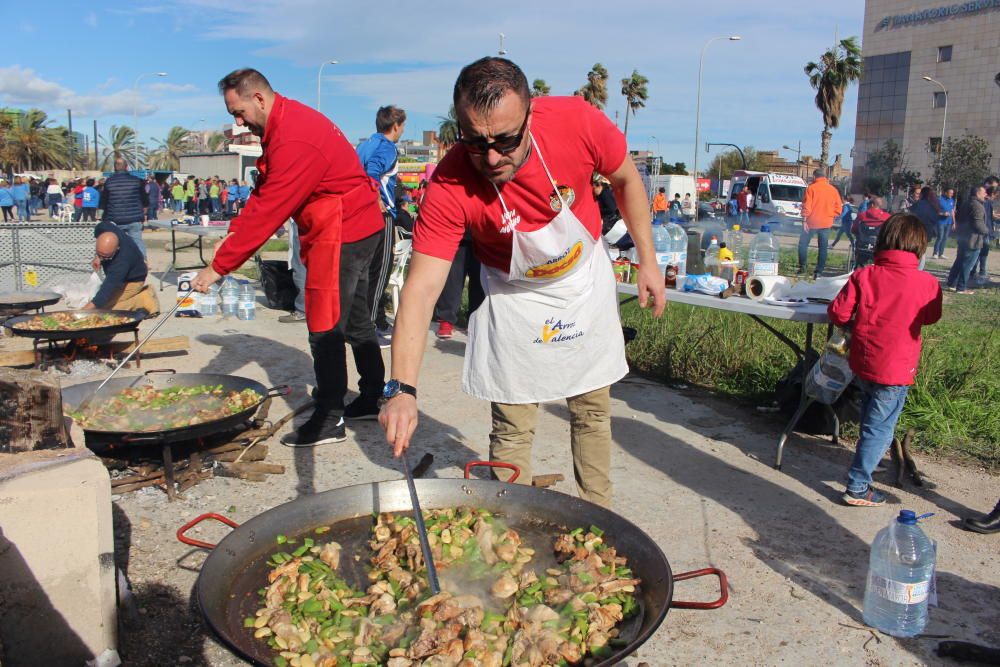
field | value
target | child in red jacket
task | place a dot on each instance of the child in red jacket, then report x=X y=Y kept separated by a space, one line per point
x=888 y=302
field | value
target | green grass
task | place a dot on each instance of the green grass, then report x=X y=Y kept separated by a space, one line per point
x=954 y=406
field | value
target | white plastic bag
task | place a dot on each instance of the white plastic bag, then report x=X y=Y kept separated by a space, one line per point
x=76 y=293
x=705 y=283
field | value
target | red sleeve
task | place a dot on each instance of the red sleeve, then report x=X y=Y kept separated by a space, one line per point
x=932 y=311
x=842 y=308
x=440 y=223
x=606 y=143
x=294 y=170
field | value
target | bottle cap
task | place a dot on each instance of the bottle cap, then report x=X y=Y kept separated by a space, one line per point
x=765 y=228
x=714 y=237
x=908 y=517
x=736 y=228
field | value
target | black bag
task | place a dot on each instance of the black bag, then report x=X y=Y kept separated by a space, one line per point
x=276 y=279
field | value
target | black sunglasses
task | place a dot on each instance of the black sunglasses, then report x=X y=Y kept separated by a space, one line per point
x=504 y=144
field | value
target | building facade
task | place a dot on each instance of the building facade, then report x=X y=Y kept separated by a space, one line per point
x=957 y=46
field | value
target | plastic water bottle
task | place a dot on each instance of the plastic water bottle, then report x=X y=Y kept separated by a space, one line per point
x=230 y=296
x=736 y=244
x=830 y=376
x=246 y=308
x=208 y=303
x=678 y=249
x=900 y=575
x=661 y=243
x=712 y=257
x=764 y=253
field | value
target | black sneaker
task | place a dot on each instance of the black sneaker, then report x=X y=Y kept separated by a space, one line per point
x=361 y=408
x=321 y=429
x=867 y=498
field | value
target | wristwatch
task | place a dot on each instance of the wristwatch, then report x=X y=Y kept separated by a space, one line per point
x=394 y=388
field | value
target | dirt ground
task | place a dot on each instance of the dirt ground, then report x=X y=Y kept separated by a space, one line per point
x=693 y=472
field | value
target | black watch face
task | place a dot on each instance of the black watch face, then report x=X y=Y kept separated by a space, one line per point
x=391 y=389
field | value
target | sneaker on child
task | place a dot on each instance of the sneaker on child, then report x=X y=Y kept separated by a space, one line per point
x=870 y=497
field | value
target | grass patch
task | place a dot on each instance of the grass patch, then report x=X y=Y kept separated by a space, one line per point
x=954 y=405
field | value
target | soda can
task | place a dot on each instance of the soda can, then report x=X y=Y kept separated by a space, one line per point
x=621 y=268
x=741 y=279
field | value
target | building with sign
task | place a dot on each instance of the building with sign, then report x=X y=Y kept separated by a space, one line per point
x=931 y=70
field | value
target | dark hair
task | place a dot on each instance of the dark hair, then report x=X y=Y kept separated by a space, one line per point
x=927 y=194
x=388 y=116
x=244 y=81
x=819 y=173
x=484 y=83
x=902 y=231
x=991 y=179
x=663 y=190
x=974 y=190
x=90 y=182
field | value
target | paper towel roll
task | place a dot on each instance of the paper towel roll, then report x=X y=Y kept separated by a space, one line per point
x=762 y=287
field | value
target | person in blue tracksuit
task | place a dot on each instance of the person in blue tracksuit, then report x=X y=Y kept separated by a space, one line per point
x=6 y=201
x=21 y=192
x=380 y=159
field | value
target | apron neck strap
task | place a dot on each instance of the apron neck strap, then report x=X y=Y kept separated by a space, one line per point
x=548 y=173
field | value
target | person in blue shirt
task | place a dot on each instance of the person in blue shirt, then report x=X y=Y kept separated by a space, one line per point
x=124 y=286
x=21 y=192
x=232 y=196
x=6 y=201
x=380 y=159
x=91 y=198
x=244 y=191
x=846 y=219
x=946 y=223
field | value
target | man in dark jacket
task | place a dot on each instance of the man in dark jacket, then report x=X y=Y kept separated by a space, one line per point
x=991 y=204
x=124 y=201
x=124 y=286
x=971 y=234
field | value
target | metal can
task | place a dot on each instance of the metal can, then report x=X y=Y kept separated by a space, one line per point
x=740 y=279
x=670 y=276
x=634 y=275
x=621 y=268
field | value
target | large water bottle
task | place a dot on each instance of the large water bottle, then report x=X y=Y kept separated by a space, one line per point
x=246 y=308
x=230 y=296
x=661 y=243
x=764 y=253
x=712 y=257
x=208 y=303
x=900 y=576
x=678 y=249
x=735 y=244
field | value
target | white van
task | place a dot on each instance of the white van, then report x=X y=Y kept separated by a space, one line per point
x=774 y=194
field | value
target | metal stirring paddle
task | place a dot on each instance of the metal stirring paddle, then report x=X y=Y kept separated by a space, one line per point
x=418 y=516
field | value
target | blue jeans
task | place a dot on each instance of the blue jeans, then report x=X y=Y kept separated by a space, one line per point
x=965 y=262
x=943 y=229
x=743 y=218
x=804 y=238
x=216 y=205
x=984 y=254
x=296 y=265
x=661 y=216
x=880 y=410
x=23 y=212
x=134 y=230
x=151 y=212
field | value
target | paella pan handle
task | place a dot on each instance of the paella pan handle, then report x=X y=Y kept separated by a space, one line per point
x=279 y=390
x=694 y=574
x=181 y=537
x=492 y=464
x=160 y=370
x=133 y=439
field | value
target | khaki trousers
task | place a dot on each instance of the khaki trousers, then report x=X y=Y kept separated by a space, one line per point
x=590 y=439
x=137 y=295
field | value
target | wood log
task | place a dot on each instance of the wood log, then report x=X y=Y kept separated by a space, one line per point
x=222 y=449
x=30 y=412
x=135 y=479
x=225 y=471
x=267 y=468
x=256 y=453
x=545 y=481
x=138 y=485
x=10 y=358
x=193 y=478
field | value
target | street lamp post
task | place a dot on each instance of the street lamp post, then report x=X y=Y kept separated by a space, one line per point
x=697 y=115
x=798 y=151
x=502 y=51
x=135 y=111
x=319 y=81
x=944 y=121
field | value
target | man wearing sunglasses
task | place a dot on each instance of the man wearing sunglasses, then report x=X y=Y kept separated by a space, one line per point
x=124 y=286
x=548 y=328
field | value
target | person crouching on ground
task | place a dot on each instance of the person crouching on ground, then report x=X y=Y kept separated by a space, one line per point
x=886 y=304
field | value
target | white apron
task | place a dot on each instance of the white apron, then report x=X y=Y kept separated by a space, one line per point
x=549 y=329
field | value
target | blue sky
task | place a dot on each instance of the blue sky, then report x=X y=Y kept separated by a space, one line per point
x=88 y=55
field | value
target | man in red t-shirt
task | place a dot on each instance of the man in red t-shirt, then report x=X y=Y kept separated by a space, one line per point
x=548 y=328
x=309 y=171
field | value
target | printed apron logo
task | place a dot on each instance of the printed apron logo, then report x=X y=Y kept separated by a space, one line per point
x=558 y=266
x=509 y=221
x=556 y=331
x=567 y=194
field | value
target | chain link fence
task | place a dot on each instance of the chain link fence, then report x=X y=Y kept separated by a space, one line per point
x=35 y=254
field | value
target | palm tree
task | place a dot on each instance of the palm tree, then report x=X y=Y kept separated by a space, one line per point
x=216 y=142
x=595 y=90
x=119 y=143
x=448 y=129
x=539 y=88
x=30 y=143
x=635 y=92
x=837 y=69
x=168 y=154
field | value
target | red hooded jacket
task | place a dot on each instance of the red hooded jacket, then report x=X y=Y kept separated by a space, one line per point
x=888 y=301
x=871 y=216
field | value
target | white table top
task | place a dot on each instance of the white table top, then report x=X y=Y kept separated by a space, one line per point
x=197 y=230
x=811 y=312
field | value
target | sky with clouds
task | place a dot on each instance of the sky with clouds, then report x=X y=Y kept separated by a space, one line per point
x=88 y=57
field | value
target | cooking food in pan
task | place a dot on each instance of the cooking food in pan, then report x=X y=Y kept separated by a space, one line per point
x=146 y=408
x=503 y=603
x=67 y=321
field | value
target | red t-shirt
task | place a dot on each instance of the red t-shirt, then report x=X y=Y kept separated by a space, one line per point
x=575 y=139
x=305 y=156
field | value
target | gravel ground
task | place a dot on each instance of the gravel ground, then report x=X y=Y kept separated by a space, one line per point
x=692 y=471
